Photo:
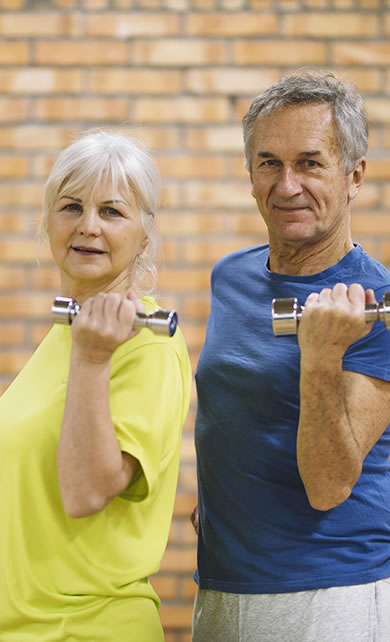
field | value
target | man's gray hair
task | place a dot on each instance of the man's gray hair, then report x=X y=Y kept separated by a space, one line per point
x=313 y=86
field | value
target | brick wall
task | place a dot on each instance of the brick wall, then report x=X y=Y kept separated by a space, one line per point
x=179 y=75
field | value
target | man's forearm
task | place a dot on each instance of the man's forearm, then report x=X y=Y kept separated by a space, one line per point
x=328 y=454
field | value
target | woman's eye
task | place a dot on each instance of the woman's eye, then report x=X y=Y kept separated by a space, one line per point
x=72 y=207
x=111 y=211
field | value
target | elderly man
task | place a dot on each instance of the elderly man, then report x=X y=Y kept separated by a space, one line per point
x=292 y=436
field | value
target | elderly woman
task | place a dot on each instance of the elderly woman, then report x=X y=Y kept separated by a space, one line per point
x=90 y=429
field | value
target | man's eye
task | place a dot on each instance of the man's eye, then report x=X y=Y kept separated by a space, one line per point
x=310 y=163
x=271 y=162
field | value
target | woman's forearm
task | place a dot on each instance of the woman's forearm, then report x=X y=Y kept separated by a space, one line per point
x=92 y=469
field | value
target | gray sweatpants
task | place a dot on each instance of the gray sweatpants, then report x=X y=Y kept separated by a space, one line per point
x=341 y=614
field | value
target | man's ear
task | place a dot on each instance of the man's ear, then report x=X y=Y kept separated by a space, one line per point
x=356 y=178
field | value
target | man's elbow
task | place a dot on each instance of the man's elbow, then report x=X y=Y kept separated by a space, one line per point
x=324 y=501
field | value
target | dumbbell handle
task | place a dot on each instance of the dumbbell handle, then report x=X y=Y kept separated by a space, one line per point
x=160 y=321
x=286 y=314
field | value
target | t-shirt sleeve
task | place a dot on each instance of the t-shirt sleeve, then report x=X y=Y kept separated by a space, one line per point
x=371 y=354
x=146 y=402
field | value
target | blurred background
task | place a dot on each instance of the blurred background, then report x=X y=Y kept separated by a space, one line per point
x=179 y=75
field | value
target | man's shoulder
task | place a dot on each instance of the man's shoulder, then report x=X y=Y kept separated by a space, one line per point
x=242 y=257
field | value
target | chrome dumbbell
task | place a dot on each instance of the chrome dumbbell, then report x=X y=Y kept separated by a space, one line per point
x=286 y=314
x=160 y=321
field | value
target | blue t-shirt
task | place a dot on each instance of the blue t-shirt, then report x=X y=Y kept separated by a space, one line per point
x=257 y=530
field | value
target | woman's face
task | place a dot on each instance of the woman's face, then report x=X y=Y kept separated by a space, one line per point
x=95 y=236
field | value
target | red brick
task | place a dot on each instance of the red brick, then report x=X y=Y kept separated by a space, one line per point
x=13 y=109
x=231 y=24
x=39 y=24
x=330 y=25
x=22 y=250
x=184 y=504
x=70 y=52
x=182 y=109
x=242 y=223
x=196 y=307
x=38 y=332
x=176 y=616
x=191 y=223
x=178 y=50
x=277 y=52
x=360 y=53
x=378 y=169
x=27 y=306
x=13 y=166
x=13 y=223
x=378 y=109
x=191 y=166
x=165 y=586
x=122 y=25
x=183 y=280
x=38 y=81
x=386 y=196
x=222 y=139
x=93 y=109
x=14 y=53
x=37 y=137
x=134 y=81
x=12 y=278
x=228 y=80
x=181 y=560
x=210 y=251
x=47 y=277
x=371 y=223
x=218 y=194
x=11 y=334
x=13 y=362
x=25 y=194
x=367 y=197
x=12 y=4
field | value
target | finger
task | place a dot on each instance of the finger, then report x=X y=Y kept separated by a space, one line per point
x=139 y=306
x=127 y=313
x=112 y=305
x=370 y=296
x=356 y=295
x=339 y=292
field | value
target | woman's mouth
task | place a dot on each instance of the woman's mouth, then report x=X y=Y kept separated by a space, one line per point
x=81 y=249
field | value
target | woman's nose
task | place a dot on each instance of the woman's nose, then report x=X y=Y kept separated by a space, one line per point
x=89 y=222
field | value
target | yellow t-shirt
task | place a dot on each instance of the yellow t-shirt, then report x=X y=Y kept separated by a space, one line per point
x=64 y=579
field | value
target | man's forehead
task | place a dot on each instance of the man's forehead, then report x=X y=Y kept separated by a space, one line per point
x=301 y=128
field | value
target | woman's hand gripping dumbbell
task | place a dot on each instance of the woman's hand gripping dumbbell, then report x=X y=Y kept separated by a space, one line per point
x=160 y=321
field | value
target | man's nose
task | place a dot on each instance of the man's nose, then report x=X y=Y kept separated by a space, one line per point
x=289 y=184
x=89 y=222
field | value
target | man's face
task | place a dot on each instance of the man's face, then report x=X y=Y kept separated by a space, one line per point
x=297 y=178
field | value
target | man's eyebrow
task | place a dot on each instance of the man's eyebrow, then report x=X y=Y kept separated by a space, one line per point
x=315 y=152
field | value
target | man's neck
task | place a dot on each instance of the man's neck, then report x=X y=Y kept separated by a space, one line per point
x=307 y=258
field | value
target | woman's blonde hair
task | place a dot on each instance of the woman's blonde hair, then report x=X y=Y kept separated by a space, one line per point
x=128 y=164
